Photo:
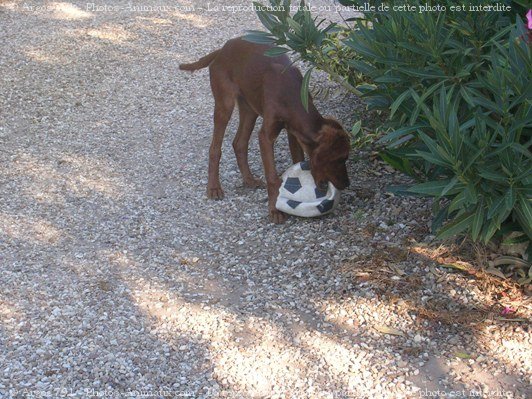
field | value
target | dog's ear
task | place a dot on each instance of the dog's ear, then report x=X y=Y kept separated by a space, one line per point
x=328 y=121
x=326 y=135
x=332 y=143
x=333 y=140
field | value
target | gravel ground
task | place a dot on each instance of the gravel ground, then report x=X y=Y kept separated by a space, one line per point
x=118 y=278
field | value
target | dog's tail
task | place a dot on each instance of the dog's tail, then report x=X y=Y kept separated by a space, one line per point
x=203 y=62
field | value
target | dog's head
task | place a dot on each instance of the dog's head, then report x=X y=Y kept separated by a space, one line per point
x=327 y=161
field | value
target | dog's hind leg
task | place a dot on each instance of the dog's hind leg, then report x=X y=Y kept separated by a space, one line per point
x=247 y=117
x=224 y=103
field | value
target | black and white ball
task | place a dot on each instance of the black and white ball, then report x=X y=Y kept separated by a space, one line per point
x=299 y=195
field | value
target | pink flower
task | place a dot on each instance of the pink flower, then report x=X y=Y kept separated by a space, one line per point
x=507 y=310
x=529 y=18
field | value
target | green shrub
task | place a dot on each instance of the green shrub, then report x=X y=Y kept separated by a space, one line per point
x=457 y=89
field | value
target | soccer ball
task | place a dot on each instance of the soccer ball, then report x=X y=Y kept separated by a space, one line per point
x=299 y=196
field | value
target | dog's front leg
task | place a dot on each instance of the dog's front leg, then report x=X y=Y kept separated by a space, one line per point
x=296 y=151
x=267 y=135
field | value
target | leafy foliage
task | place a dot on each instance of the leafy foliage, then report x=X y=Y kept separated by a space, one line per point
x=458 y=92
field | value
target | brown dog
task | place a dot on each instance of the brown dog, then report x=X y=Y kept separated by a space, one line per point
x=270 y=87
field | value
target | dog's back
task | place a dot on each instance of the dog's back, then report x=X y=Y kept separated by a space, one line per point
x=242 y=67
x=238 y=52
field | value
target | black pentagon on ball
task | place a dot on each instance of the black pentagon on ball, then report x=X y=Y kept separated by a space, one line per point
x=293 y=204
x=320 y=193
x=305 y=165
x=325 y=205
x=292 y=184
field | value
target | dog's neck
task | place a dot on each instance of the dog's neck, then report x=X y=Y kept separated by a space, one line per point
x=306 y=126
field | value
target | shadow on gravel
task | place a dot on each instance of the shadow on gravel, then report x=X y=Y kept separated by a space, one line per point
x=344 y=350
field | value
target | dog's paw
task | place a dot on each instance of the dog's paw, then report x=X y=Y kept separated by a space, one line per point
x=254 y=182
x=215 y=193
x=277 y=216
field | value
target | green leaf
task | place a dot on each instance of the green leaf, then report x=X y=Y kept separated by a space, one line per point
x=305 y=89
x=401 y=189
x=267 y=20
x=431 y=188
x=454 y=181
x=388 y=79
x=438 y=219
x=456 y=266
x=492 y=176
x=295 y=26
x=523 y=211
x=470 y=193
x=398 y=101
x=362 y=67
x=356 y=128
x=509 y=198
x=414 y=48
x=456 y=227
x=458 y=202
x=437 y=150
x=396 y=162
x=360 y=48
x=399 y=133
x=522 y=3
x=462 y=355
x=423 y=73
x=259 y=37
x=520 y=239
x=434 y=159
x=466 y=96
x=377 y=102
x=276 y=51
x=496 y=207
x=478 y=221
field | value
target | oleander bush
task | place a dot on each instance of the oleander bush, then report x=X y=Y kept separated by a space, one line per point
x=457 y=91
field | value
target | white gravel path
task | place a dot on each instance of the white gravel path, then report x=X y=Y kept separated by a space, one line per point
x=118 y=278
